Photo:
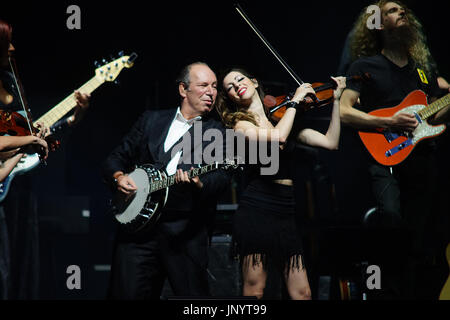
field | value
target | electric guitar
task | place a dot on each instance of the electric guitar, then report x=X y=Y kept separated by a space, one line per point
x=143 y=208
x=390 y=147
x=106 y=73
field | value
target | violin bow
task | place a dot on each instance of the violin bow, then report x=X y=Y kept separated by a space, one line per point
x=23 y=102
x=268 y=45
x=12 y=63
x=271 y=49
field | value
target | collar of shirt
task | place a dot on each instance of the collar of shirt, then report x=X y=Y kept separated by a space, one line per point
x=177 y=129
x=179 y=116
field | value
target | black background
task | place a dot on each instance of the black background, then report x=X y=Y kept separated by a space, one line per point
x=166 y=35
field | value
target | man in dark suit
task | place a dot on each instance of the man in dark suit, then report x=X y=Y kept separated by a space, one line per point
x=176 y=246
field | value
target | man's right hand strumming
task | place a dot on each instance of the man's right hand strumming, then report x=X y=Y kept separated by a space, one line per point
x=125 y=184
x=404 y=122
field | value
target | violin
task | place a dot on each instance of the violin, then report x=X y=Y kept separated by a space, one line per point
x=14 y=124
x=324 y=93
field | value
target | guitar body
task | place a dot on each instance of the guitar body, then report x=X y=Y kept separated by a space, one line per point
x=143 y=208
x=14 y=124
x=445 y=293
x=391 y=148
x=25 y=164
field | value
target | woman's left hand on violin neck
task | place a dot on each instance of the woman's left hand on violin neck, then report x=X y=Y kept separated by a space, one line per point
x=302 y=92
x=341 y=83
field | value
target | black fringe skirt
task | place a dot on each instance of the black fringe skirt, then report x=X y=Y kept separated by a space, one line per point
x=265 y=227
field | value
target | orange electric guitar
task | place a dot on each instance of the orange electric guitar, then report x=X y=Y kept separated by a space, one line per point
x=389 y=147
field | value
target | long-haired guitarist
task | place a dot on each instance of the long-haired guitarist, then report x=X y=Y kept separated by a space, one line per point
x=175 y=246
x=398 y=60
x=18 y=215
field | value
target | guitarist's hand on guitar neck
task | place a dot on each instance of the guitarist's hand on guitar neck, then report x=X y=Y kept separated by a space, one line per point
x=81 y=108
x=404 y=122
x=82 y=104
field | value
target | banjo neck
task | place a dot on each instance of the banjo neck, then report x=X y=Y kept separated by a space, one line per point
x=170 y=180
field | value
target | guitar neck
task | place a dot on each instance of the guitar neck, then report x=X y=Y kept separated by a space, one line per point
x=170 y=180
x=61 y=109
x=435 y=107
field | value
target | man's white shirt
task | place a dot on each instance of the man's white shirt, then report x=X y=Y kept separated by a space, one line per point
x=177 y=129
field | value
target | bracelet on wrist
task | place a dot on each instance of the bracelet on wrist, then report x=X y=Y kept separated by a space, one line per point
x=291 y=104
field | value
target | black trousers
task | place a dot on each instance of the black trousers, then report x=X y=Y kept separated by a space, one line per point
x=405 y=201
x=19 y=243
x=141 y=264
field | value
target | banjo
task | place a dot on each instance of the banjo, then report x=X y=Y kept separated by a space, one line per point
x=143 y=208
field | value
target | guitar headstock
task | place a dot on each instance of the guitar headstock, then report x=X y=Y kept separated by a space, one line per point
x=110 y=71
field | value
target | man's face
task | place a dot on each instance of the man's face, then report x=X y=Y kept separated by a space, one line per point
x=201 y=93
x=393 y=16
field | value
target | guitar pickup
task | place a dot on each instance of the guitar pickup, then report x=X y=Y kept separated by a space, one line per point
x=390 y=136
x=419 y=119
x=398 y=148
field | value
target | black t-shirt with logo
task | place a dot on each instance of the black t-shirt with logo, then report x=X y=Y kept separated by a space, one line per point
x=388 y=84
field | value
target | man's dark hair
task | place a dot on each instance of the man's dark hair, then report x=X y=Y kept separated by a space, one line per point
x=184 y=76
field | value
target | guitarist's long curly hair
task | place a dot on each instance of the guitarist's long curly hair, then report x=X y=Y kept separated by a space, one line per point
x=367 y=42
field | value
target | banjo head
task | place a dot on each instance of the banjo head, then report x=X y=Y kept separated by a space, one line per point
x=126 y=211
x=141 y=209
